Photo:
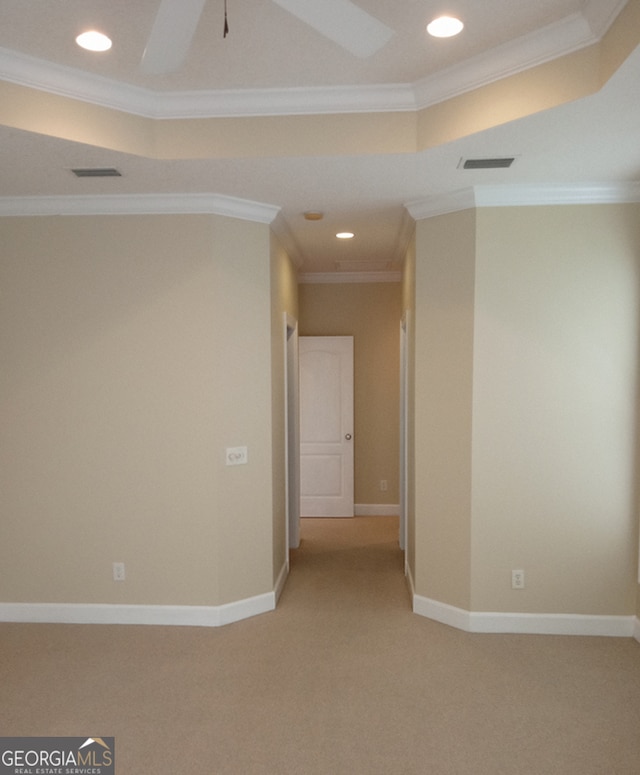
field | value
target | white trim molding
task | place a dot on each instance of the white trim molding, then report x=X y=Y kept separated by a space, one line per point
x=171 y=615
x=140 y=204
x=451 y=202
x=636 y=629
x=531 y=195
x=562 y=37
x=408 y=577
x=524 y=196
x=377 y=509
x=543 y=45
x=531 y=624
x=281 y=580
x=349 y=277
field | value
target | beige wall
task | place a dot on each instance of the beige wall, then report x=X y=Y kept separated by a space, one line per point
x=526 y=408
x=134 y=351
x=445 y=267
x=555 y=409
x=371 y=313
x=284 y=299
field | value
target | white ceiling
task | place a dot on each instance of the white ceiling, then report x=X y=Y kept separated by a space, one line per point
x=594 y=141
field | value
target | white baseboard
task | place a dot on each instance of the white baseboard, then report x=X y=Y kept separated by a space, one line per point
x=281 y=580
x=409 y=581
x=376 y=509
x=533 y=624
x=176 y=615
x=442 y=612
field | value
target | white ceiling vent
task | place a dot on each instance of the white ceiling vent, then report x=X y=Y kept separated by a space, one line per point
x=496 y=163
x=97 y=172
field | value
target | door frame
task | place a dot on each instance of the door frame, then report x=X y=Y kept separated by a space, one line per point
x=404 y=434
x=292 y=434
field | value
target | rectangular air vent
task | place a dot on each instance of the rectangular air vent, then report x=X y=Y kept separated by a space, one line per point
x=488 y=164
x=97 y=172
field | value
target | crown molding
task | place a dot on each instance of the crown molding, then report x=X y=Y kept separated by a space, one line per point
x=524 y=196
x=558 y=39
x=451 y=202
x=244 y=209
x=532 y=195
x=281 y=229
x=63 y=81
x=34 y=73
x=602 y=15
x=405 y=233
x=139 y=204
x=311 y=278
x=319 y=100
x=555 y=40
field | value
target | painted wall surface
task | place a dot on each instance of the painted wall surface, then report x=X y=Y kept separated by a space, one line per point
x=371 y=313
x=526 y=448
x=445 y=274
x=284 y=298
x=555 y=446
x=135 y=349
x=243 y=406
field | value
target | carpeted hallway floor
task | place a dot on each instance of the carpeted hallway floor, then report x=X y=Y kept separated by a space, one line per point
x=341 y=678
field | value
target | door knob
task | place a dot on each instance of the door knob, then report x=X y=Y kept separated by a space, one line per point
x=348 y=437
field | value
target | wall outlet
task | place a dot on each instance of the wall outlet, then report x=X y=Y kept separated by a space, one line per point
x=118 y=571
x=517 y=579
x=237 y=456
x=383 y=485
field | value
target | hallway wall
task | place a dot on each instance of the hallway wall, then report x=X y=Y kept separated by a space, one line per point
x=371 y=313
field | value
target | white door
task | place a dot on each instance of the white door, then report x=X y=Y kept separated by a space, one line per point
x=326 y=426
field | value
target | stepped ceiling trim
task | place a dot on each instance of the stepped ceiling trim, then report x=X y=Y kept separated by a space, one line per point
x=564 y=37
x=215 y=204
x=524 y=196
x=145 y=204
x=349 y=277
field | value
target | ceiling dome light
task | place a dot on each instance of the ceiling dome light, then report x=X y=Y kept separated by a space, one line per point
x=94 y=41
x=345 y=235
x=444 y=27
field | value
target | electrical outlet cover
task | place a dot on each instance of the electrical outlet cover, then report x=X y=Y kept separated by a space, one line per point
x=237 y=456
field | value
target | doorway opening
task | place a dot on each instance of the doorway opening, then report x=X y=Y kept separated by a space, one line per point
x=369 y=312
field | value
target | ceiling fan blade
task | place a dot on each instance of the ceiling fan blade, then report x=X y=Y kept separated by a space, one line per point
x=343 y=22
x=171 y=35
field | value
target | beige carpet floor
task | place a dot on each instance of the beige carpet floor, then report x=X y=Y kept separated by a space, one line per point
x=341 y=678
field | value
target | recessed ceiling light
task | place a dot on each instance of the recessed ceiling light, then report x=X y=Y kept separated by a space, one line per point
x=345 y=235
x=313 y=215
x=94 y=41
x=444 y=27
